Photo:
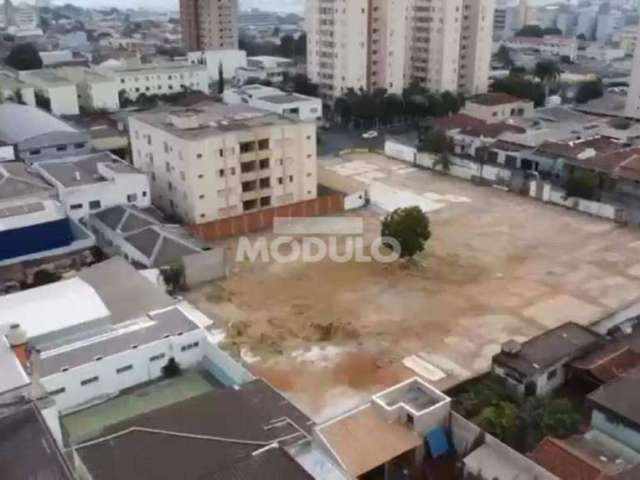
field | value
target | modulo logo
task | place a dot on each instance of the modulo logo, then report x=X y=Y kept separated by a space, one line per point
x=313 y=240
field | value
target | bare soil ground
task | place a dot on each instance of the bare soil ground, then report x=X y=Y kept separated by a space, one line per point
x=498 y=266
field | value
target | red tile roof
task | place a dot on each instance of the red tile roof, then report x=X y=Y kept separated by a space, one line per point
x=609 y=363
x=563 y=461
x=492 y=130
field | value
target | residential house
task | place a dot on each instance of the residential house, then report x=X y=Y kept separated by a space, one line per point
x=497 y=107
x=540 y=365
x=615 y=410
x=140 y=236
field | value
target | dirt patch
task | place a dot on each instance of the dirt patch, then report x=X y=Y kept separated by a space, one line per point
x=497 y=264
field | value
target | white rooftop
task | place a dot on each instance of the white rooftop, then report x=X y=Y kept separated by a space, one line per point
x=52 y=307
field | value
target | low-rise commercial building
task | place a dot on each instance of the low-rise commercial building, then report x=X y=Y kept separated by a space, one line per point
x=159 y=79
x=96 y=91
x=220 y=161
x=37 y=135
x=275 y=68
x=86 y=184
x=276 y=101
x=61 y=94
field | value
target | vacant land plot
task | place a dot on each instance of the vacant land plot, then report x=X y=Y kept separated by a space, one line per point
x=498 y=266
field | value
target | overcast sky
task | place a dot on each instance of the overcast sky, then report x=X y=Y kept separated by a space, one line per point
x=296 y=6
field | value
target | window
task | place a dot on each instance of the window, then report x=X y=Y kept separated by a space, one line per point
x=221 y=173
x=167 y=167
x=95 y=204
x=36 y=151
x=189 y=346
x=263 y=144
x=79 y=146
x=247 y=147
x=265 y=182
x=88 y=381
x=57 y=391
x=264 y=164
x=76 y=206
x=126 y=368
x=132 y=197
x=157 y=357
x=290 y=178
x=552 y=374
x=265 y=202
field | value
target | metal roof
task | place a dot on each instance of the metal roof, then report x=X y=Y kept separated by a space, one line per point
x=21 y=122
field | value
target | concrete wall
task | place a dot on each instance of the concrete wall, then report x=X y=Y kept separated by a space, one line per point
x=231 y=60
x=205 y=267
x=110 y=382
x=467 y=169
x=52 y=418
x=547 y=193
x=64 y=100
x=399 y=151
x=223 y=367
x=464 y=434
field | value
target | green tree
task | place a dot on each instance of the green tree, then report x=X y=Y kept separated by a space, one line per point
x=220 y=79
x=410 y=228
x=478 y=395
x=451 y=102
x=549 y=416
x=552 y=31
x=173 y=277
x=434 y=141
x=24 y=56
x=520 y=86
x=500 y=420
x=548 y=72
x=304 y=86
x=589 y=91
x=300 y=46
x=503 y=55
x=343 y=109
x=531 y=31
x=582 y=185
x=287 y=46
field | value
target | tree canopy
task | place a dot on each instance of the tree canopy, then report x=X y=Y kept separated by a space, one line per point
x=24 y=56
x=410 y=228
x=531 y=31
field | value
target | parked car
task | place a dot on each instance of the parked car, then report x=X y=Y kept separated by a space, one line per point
x=370 y=134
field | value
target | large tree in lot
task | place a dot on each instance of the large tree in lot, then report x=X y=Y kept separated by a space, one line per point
x=410 y=228
x=548 y=72
x=24 y=57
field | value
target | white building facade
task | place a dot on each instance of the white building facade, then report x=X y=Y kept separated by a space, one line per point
x=222 y=161
x=633 y=97
x=441 y=44
x=276 y=101
x=159 y=79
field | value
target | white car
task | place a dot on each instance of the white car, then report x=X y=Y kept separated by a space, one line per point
x=370 y=134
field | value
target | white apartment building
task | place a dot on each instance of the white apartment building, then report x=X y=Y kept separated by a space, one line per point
x=90 y=183
x=509 y=17
x=442 y=44
x=301 y=107
x=633 y=98
x=159 y=79
x=220 y=161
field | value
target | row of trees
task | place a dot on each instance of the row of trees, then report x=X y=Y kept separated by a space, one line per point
x=371 y=109
x=288 y=46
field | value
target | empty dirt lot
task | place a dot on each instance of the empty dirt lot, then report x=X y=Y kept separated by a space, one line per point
x=498 y=266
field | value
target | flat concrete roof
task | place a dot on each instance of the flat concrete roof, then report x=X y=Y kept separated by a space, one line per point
x=215 y=119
